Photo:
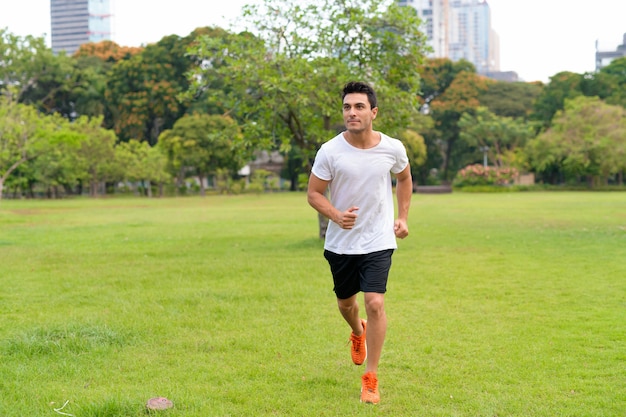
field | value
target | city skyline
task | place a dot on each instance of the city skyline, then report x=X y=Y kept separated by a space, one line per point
x=75 y=22
x=537 y=38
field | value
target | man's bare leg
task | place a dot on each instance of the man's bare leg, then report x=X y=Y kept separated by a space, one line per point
x=349 y=309
x=376 y=328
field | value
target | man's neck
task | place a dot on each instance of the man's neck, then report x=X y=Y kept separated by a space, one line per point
x=363 y=140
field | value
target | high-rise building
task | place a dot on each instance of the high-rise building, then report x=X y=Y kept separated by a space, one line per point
x=75 y=22
x=494 y=51
x=434 y=15
x=460 y=29
x=470 y=33
x=604 y=58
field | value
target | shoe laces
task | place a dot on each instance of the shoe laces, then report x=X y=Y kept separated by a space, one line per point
x=355 y=340
x=370 y=381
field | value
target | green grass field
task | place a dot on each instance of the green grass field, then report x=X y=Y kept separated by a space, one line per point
x=499 y=305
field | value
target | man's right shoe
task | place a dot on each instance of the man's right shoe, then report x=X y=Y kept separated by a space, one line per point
x=369 y=388
x=359 y=348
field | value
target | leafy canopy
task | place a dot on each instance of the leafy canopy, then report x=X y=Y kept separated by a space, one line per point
x=283 y=76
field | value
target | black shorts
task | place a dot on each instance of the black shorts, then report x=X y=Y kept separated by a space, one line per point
x=354 y=273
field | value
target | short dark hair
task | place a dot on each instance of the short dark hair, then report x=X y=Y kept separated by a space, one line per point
x=360 y=87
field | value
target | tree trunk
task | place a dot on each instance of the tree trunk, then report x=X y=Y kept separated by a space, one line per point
x=323 y=225
x=201 y=180
x=322 y=221
x=93 y=189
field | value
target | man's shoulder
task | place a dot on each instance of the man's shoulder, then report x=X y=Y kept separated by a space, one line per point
x=333 y=141
x=390 y=141
x=386 y=137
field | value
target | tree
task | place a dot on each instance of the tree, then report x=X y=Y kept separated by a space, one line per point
x=31 y=74
x=499 y=135
x=23 y=136
x=95 y=153
x=143 y=91
x=87 y=96
x=438 y=74
x=58 y=169
x=93 y=62
x=612 y=80
x=202 y=144
x=283 y=82
x=510 y=99
x=415 y=149
x=106 y=51
x=141 y=163
x=562 y=86
x=449 y=89
x=587 y=139
x=24 y=62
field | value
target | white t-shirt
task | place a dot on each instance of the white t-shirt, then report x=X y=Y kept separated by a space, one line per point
x=361 y=177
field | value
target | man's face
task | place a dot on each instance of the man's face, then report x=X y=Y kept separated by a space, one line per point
x=357 y=113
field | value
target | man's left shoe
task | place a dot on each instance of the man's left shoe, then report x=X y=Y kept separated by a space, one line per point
x=358 y=351
x=369 y=388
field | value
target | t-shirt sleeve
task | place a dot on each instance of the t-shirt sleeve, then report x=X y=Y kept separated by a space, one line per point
x=402 y=160
x=321 y=166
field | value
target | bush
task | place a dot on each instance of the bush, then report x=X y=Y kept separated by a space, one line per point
x=477 y=174
x=303 y=182
x=485 y=189
x=237 y=186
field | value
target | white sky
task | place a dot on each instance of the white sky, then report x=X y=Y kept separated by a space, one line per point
x=538 y=38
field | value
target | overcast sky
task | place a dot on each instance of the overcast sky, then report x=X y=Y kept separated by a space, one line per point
x=538 y=38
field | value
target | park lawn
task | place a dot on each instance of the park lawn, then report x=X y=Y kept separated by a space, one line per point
x=509 y=304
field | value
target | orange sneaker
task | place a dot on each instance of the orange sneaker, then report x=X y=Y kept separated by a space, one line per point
x=369 y=388
x=359 y=349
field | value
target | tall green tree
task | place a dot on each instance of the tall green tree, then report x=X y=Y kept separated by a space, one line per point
x=24 y=135
x=139 y=162
x=415 y=149
x=510 y=99
x=58 y=170
x=437 y=74
x=562 y=86
x=201 y=144
x=93 y=62
x=449 y=89
x=25 y=61
x=612 y=80
x=143 y=91
x=587 y=140
x=283 y=82
x=31 y=74
x=499 y=136
x=95 y=153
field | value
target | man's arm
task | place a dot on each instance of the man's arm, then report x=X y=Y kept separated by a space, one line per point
x=317 y=199
x=404 y=191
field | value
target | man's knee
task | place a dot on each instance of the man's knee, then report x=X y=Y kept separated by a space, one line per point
x=374 y=303
x=346 y=304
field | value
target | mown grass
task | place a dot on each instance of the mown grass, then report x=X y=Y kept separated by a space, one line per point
x=507 y=304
